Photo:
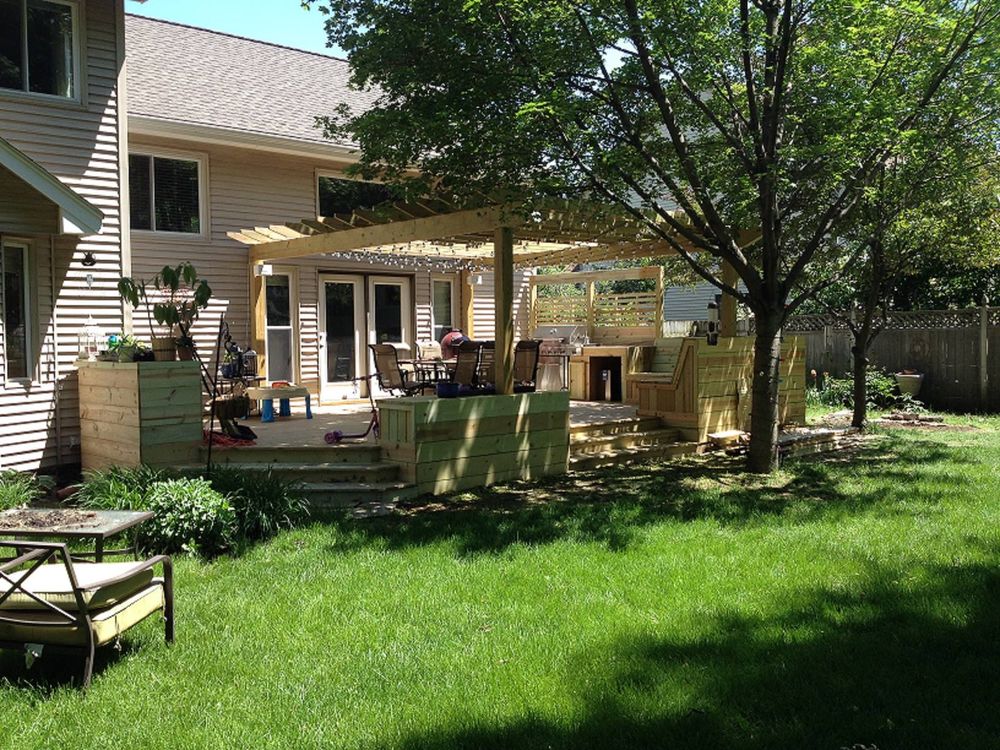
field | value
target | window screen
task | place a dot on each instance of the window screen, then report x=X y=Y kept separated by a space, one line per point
x=164 y=194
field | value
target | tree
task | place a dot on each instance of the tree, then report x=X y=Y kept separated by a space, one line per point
x=940 y=202
x=743 y=131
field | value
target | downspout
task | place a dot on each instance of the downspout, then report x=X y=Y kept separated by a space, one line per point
x=56 y=382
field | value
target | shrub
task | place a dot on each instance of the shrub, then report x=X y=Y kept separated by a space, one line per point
x=263 y=502
x=17 y=488
x=119 y=488
x=190 y=517
x=882 y=392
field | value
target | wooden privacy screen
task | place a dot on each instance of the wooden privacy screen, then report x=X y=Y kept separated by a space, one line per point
x=139 y=413
x=442 y=445
x=711 y=387
x=626 y=318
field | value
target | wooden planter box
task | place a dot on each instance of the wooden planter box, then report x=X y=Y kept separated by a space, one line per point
x=139 y=413
x=443 y=445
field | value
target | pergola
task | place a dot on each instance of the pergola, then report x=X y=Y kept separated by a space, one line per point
x=501 y=236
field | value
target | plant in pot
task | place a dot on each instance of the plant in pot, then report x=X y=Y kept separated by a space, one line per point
x=179 y=298
x=128 y=349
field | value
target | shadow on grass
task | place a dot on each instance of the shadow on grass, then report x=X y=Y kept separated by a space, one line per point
x=611 y=506
x=884 y=665
x=59 y=668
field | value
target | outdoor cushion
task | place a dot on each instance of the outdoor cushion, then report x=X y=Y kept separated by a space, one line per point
x=51 y=583
x=108 y=624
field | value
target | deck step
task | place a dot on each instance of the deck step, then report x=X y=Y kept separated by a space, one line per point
x=329 y=472
x=367 y=496
x=624 y=441
x=583 y=432
x=587 y=462
x=261 y=454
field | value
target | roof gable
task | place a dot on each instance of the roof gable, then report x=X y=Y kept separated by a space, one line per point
x=190 y=76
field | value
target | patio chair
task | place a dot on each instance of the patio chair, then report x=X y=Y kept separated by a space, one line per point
x=466 y=364
x=526 y=366
x=390 y=374
x=51 y=599
x=486 y=377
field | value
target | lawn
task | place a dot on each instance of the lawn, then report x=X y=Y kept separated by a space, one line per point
x=847 y=601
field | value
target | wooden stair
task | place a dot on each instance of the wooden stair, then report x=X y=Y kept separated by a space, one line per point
x=624 y=442
x=333 y=477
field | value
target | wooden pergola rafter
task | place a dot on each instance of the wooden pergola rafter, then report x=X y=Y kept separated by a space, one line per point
x=500 y=236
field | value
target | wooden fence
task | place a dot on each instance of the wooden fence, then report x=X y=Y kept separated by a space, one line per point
x=958 y=351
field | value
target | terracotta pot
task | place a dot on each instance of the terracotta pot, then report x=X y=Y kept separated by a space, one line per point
x=164 y=349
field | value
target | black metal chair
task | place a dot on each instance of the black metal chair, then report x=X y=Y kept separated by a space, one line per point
x=390 y=374
x=526 y=365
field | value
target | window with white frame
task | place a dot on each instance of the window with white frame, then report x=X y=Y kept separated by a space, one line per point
x=165 y=193
x=39 y=47
x=15 y=297
x=279 y=323
x=443 y=306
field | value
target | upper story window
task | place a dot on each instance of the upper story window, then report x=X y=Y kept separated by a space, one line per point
x=38 y=47
x=340 y=196
x=165 y=193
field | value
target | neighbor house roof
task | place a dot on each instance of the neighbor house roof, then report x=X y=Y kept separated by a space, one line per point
x=186 y=76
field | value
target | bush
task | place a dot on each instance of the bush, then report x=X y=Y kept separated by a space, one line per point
x=17 y=488
x=119 y=488
x=190 y=517
x=882 y=392
x=263 y=502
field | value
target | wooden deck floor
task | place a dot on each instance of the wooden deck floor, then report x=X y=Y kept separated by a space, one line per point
x=298 y=432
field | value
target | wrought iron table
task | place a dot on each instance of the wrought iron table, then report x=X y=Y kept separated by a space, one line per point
x=99 y=525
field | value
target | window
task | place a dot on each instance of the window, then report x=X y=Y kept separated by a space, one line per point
x=443 y=307
x=16 y=307
x=38 y=47
x=339 y=196
x=165 y=193
x=280 y=338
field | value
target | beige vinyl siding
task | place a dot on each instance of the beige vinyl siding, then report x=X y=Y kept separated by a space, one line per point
x=23 y=209
x=247 y=188
x=77 y=142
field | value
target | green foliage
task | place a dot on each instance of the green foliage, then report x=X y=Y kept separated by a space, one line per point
x=190 y=517
x=119 y=488
x=880 y=386
x=264 y=503
x=178 y=301
x=17 y=488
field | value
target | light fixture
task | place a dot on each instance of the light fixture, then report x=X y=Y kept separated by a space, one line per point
x=712 y=334
x=89 y=261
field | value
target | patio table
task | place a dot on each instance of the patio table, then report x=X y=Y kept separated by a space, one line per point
x=266 y=396
x=98 y=525
x=432 y=370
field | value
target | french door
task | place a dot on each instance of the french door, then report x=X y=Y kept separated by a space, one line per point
x=390 y=316
x=341 y=337
x=354 y=311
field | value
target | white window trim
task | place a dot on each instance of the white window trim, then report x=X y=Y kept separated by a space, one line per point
x=201 y=159
x=455 y=312
x=29 y=312
x=293 y=301
x=78 y=47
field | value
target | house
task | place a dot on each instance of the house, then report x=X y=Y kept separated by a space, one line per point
x=63 y=227
x=239 y=147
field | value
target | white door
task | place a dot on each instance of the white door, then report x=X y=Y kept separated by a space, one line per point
x=390 y=315
x=341 y=337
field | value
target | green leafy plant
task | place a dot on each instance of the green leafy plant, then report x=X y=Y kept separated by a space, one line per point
x=119 y=488
x=190 y=516
x=129 y=348
x=263 y=502
x=17 y=488
x=180 y=297
x=881 y=388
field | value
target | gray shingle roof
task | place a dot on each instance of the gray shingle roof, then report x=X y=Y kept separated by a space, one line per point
x=183 y=74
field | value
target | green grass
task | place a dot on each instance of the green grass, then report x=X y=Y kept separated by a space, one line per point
x=844 y=601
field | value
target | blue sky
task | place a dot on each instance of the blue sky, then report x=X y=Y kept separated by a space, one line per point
x=278 y=21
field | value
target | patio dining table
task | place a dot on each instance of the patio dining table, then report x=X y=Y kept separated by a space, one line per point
x=73 y=524
x=431 y=370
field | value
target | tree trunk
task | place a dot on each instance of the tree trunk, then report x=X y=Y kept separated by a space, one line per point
x=860 y=353
x=762 y=456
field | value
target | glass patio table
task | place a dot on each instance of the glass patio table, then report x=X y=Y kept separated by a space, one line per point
x=73 y=524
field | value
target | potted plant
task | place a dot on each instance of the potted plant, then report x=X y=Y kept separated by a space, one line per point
x=179 y=299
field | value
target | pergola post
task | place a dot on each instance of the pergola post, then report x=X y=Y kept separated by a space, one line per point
x=660 y=312
x=727 y=311
x=258 y=319
x=503 y=294
x=467 y=294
